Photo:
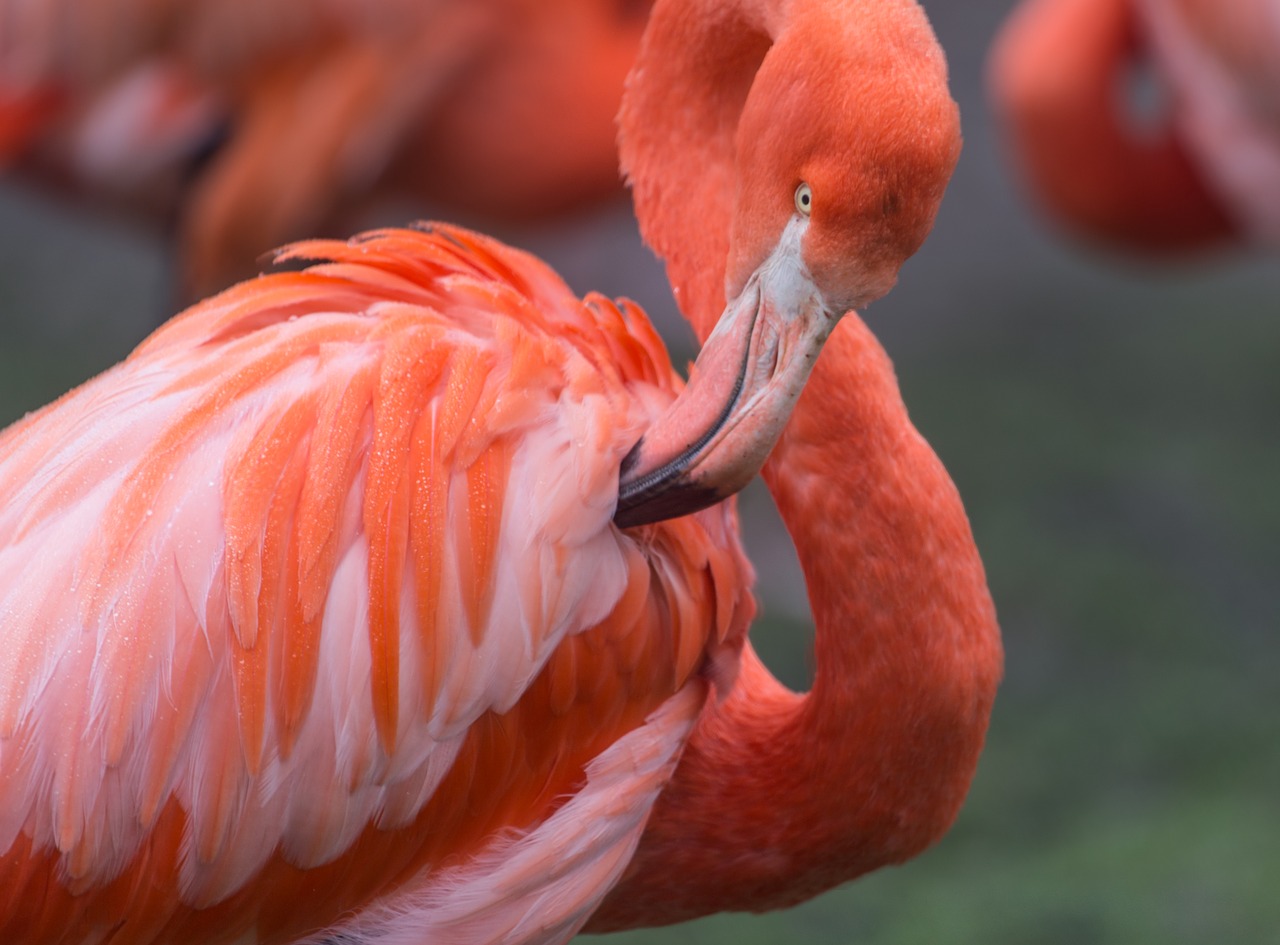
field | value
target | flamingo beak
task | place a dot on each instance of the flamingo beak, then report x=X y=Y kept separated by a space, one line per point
x=717 y=434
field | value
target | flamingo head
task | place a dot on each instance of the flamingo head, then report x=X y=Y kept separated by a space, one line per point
x=844 y=147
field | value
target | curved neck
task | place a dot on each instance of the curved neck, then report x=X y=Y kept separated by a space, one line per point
x=781 y=796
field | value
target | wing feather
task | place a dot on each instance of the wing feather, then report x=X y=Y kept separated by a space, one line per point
x=412 y=361
x=539 y=887
x=309 y=535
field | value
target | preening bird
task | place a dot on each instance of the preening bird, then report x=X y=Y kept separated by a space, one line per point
x=248 y=123
x=393 y=600
x=1203 y=173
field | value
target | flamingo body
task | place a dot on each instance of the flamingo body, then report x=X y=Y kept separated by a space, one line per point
x=282 y=546
x=394 y=600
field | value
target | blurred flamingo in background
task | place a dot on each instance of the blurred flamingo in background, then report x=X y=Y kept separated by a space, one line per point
x=1206 y=172
x=253 y=122
x=392 y=600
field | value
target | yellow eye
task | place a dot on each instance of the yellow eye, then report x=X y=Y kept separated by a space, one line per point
x=804 y=199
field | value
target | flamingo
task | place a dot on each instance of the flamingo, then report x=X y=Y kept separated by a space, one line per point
x=250 y=124
x=1207 y=173
x=394 y=600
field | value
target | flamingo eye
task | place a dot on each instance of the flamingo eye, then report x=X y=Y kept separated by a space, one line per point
x=804 y=198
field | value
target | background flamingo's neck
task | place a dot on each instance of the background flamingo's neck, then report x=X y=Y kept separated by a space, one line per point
x=780 y=796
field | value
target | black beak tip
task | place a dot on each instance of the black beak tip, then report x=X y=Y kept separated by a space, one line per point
x=662 y=501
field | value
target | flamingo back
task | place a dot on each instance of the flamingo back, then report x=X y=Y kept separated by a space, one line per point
x=315 y=600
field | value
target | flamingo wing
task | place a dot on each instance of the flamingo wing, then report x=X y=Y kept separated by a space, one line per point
x=312 y=608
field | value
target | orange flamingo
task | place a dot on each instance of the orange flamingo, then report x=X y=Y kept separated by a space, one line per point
x=258 y=122
x=392 y=600
x=1209 y=172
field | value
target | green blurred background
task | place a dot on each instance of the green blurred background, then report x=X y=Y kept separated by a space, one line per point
x=1115 y=430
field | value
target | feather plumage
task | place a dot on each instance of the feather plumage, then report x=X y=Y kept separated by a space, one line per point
x=282 y=545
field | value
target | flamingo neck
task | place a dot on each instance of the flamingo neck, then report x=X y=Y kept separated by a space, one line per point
x=779 y=796
x=676 y=143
